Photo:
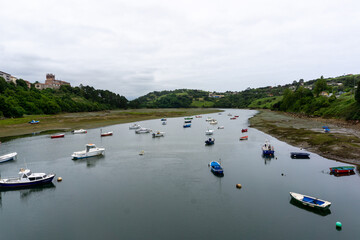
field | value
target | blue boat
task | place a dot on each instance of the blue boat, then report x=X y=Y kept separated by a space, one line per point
x=326 y=129
x=268 y=149
x=34 y=122
x=310 y=201
x=187 y=125
x=163 y=119
x=300 y=155
x=210 y=141
x=216 y=168
x=26 y=179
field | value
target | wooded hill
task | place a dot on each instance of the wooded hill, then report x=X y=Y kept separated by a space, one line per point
x=330 y=97
x=17 y=99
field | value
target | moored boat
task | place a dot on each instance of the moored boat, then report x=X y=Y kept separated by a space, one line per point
x=187 y=121
x=79 y=131
x=244 y=138
x=198 y=116
x=34 y=122
x=187 y=125
x=209 y=132
x=233 y=118
x=135 y=126
x=299 y=155
x=158 y=134
x=8 y=157
x=105 y=134
x=210 y=141
x=164 y=123
x=342 y=169
x=213 y=121
x=90 y=151
x=221 y=127
x=188 y=118
x=268 y=149
x=208 y=119
x=142 y=130
x=310 y=201
x=216 y=168
x=244 y=130
x=163 y=119
x=58 y=135
x=26 y=179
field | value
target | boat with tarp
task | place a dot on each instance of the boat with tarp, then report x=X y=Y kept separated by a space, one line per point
x=216 y=168
x=210 y=141
x=342 y=169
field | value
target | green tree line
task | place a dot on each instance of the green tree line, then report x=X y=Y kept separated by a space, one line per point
x=17 y=99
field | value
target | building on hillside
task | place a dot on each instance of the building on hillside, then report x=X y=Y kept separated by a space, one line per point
x=5 y=75
x=50 y=82
x=325 y=94
x=214 y=95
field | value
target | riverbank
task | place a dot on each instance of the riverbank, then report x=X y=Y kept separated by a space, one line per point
x=341 y=144
x=87 y=120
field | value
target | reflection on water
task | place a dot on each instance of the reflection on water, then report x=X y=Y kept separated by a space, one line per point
x=26 y=192
x=310 y=209
x=267 y=158
x=342 y=174
x=91 y=161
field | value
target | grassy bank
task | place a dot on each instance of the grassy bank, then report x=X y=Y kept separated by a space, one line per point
x=86 y=120
x=342 y=143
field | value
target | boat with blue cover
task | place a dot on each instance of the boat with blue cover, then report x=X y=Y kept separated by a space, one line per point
x=187 y=125
x=268 y=149
x=26 y=179
x=216 y=168
x=210 y=141
x=34 y=122
x=310 y=201
x=299 y=155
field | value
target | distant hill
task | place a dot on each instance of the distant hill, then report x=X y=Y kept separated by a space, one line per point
x=17 y=99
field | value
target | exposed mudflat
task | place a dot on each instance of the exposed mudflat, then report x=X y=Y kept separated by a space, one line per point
x=341 y=144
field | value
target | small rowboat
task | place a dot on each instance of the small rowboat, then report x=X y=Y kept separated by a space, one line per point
x=187 y=125
x=236 y=116
x=343 y=169
x=233 y=118
x=244 y=138
x=310 y=201
x=216 y=168
x=34 y=122
x=8 y=157
x=221 y=127
x=198 y=116
x=79 y=131
x=187 y=121
x=244 y=130
x=58 y=136
x=106 y=134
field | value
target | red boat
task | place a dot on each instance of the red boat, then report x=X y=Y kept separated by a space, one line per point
x=244 y=138
x=233 y=118
x=244 y=130
x=58 y=136
x=106 y=134
x=236 y=116
x=342 y=169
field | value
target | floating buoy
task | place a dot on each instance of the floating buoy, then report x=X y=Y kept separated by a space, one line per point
x=282 y=174
x=338 y=225
x=142 y=152
x=276 y=158
x=59 y=179
x=238 y=185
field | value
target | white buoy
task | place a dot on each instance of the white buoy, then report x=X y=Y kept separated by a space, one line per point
x=59 y=179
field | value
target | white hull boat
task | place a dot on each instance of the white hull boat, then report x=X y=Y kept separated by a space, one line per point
x=79 y=131
x=8 y=157
x=158 y=134
x=90 y=151
x=135 y=126
x=310 y=201
x=143 y=130
x=209 y=132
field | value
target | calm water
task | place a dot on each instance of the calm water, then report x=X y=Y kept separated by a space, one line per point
x=170 y=193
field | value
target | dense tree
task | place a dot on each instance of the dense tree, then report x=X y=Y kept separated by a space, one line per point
x=357 y=93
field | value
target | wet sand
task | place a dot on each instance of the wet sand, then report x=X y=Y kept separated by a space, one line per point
x=87 y=120
x=341 y=144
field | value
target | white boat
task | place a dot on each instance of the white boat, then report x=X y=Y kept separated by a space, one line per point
x=157 y=134
x=143 y=130
x=221 y=127
x=310 y=201
x=208 y=119
x=135 y=126
x=90 y=151
x=213 y=121
x=26 y=179
x=8 y=157
x=79 y=131
x=209 y=132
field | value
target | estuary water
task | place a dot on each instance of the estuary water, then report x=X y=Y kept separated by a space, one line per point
x=169 y=192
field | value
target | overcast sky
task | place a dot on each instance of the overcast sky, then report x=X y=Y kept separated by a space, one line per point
x=135 y=47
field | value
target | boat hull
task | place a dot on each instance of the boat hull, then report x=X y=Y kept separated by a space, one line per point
x=28 y=184
x=310 y=201
x=58 y=136
x=8 y=157
x=299 y=155
x=268 y=152
x=346 y=169
x=87 y=155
